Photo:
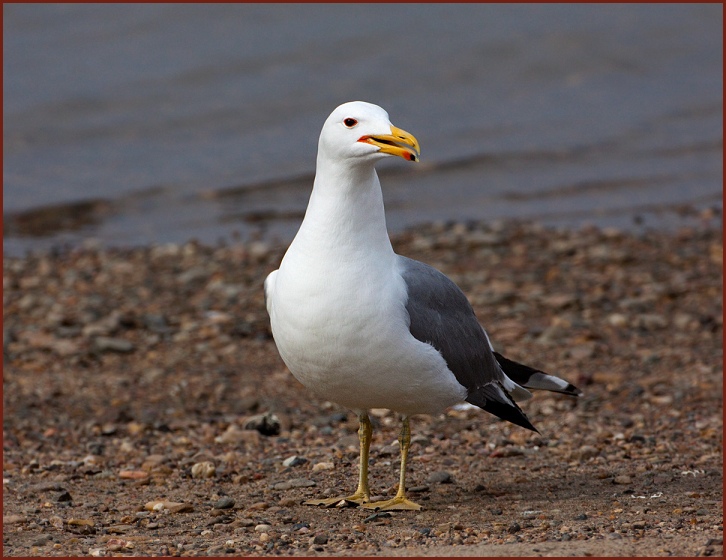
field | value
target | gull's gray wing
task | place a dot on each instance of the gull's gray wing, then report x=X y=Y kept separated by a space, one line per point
x=441 y=315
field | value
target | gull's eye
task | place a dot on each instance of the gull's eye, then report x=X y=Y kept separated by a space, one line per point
x=350 y=123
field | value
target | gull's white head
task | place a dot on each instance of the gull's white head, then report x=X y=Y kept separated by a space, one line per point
x=360 y=131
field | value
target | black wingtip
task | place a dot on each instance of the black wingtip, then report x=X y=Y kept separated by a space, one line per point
x=572 y=390
x=494 y=400
x=532 y=378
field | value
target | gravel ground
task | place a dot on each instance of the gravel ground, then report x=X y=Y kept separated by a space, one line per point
x=147 y=412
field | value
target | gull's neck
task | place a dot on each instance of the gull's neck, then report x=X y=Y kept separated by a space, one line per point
x=345 y=216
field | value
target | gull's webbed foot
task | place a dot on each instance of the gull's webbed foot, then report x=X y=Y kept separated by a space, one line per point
x=397 y=503
x=357 y=498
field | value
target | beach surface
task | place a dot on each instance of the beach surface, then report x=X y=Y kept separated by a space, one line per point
x=147 y=411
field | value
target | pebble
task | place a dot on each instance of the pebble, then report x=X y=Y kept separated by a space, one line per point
x=263 y=528
x=651 y=321
x=617 y=320
x=234 y=434
x=294 y=461
x=622 y=479
x=324 y=466
x=348 y=442
x=205 y=469
x=509 y=451
x=259 y=506
x=268 y=424
x=224 y=502
x=110 y=344
x=42 y=540
x=64 y=496
x=51 y=486
x=81 y=522
x=320 y=538
x=377 y=516
x=440 y=477
x=173 y=507
x=133 y=475
x=585 y=452
x=294 y=483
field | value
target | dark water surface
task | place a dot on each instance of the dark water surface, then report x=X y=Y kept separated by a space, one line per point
x=144 y=123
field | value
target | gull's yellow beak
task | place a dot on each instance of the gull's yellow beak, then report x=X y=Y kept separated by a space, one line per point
x=399 y=143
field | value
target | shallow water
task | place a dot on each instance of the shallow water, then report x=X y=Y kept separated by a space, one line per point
x=144 y=123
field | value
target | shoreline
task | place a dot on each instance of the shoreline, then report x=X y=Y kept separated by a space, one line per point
x=104 y=223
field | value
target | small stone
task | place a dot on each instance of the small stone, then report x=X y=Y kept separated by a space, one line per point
x=376 y=516
x=258 y=506
x=651 y=321
x=173 y=507
x=294 y=461
x=13 y=519
x=421 y=439
x=224 y=502
x=42 y=540
x=324 y=466
x=585 y=452
x=440 y=477
x=509 y=451
x=133 y=475
x=81 y=522
x=205 y=469
x=617 y=320
x=152 y=461
x=514 y=528
x=581 y=517
x=263 y=528
x=320 y=538
x=110 y=344
x=348 y=442
x=622 y=479
x=234 y=434
x=64 y=497
x=301 y=483
x=582 y=351
x=268 y=424
x=119 y=529
x=51 y=486
x=389 y=450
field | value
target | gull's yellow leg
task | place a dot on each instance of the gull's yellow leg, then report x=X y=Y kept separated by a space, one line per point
x=362 y=494
x=399 y=501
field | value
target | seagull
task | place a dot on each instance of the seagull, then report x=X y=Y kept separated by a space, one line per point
x=364 y=327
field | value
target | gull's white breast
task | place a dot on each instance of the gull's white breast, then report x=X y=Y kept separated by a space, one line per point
x=341 y=327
